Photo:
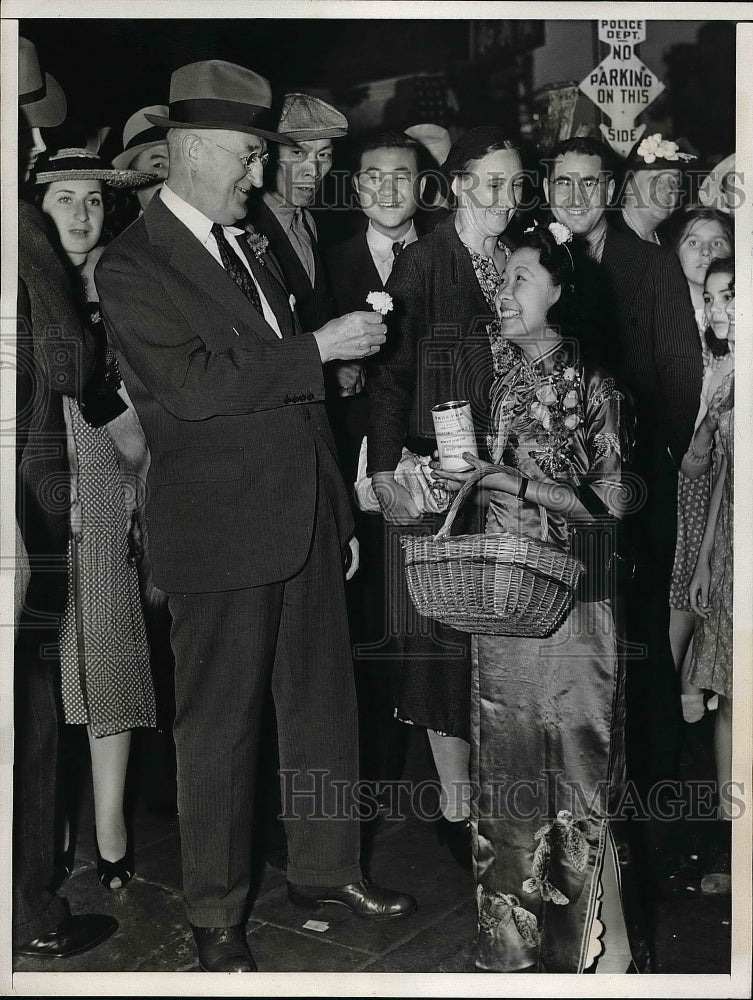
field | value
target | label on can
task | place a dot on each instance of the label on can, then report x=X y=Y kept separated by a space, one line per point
x=453 y=427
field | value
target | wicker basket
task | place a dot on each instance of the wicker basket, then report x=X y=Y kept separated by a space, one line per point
x=501 y=584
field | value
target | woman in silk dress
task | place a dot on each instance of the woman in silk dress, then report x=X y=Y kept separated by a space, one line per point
x=548 y=714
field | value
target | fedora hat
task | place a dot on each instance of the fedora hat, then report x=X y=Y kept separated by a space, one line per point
x=304 y=117
x=40 y=96
x=74 y=164
x=139 y=134
x=218 y=94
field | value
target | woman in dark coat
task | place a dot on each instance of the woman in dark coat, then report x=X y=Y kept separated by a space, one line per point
x=439 y=348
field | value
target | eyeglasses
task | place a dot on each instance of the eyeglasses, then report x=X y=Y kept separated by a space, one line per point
x=249 y=160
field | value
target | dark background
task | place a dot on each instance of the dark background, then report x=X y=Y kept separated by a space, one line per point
x=111 y=67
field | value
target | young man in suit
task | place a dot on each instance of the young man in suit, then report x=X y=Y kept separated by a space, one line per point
x=250 y=524
x=388 y=189
x=657 y=356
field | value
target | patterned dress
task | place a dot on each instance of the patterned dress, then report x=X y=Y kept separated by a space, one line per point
x=104 y=658
x=548 y=714
x=693 y=494
x=711 y=664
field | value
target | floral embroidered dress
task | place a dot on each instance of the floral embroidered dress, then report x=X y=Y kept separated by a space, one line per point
x=547 y=715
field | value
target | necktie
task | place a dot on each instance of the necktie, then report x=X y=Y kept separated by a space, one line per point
x=397 y=248
x=302 y=240
x=234 y=267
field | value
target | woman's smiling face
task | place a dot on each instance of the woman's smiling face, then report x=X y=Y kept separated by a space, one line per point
x=78 y=211
x=489 y=191
x=525 y=296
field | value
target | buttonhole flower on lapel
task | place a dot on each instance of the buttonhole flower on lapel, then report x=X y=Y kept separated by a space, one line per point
x=258 y=244
x=380 y=302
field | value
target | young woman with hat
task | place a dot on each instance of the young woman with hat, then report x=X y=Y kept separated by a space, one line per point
x=105 y=674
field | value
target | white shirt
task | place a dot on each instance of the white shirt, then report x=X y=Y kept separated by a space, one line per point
x=380 y=248
x=201 y=227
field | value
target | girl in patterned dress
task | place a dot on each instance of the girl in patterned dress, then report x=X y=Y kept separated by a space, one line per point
x=106 y=679
x=704 y=236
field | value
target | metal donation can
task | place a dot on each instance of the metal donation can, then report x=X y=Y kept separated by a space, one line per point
x=453 y=427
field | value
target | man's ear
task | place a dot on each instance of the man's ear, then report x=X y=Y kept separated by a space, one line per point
x=610 y=190
x=546 y=188
x=421 y=187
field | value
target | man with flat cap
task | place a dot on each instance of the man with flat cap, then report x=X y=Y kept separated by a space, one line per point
x=282 y=213
x=249 y=520
x=54 y=354
x=145 y=149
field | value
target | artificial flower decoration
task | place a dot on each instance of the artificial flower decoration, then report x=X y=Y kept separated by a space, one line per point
x=258 y=244
x=380 y=302
x=560 y=232
x=653 y=148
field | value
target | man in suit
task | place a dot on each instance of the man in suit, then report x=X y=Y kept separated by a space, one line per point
x=282 y=213
x=249 y=521
x=657 y=357
x=388 y=188
x=54 y=355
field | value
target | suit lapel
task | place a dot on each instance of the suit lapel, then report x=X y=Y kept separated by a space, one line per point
x=274 y=290
x=625 y=269
x=206 y=275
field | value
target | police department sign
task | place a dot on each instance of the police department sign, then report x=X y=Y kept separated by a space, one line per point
x=621 y=85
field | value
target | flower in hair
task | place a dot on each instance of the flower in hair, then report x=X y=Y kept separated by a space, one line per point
x=560 y=232
x=653 y=148
x=380 y=302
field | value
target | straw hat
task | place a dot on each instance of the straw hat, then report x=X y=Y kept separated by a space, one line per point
x=217 y=94
x=75 y=164
x=40 y=96
x=305 y=118
x=139 y=134
x=711 y=193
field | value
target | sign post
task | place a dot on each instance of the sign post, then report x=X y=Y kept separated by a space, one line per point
x=621 y=85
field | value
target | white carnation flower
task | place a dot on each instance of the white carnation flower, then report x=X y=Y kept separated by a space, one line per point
x=380 y=302
x=560 y=232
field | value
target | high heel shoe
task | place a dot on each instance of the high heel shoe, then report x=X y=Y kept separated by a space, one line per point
x=457 y=837
x=109 y=871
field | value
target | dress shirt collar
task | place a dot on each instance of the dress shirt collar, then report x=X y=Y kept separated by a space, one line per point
x=381 y=245
x=198 y=223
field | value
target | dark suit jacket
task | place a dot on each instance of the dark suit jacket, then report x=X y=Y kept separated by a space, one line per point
x=437 y=346
x=233 y=415
x=313 y=303
x=659 y=353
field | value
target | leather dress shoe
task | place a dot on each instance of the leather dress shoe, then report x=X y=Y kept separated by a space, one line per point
x=223 y=949
x=73 y=936
x=364 y=898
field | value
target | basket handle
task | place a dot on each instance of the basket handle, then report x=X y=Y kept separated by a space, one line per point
x=463 y=492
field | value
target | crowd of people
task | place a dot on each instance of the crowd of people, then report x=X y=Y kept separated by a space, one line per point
x=242 y=420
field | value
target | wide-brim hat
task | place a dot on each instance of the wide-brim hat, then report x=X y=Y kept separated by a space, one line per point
x=40 y=96
x=218 y=94
x=434 y=137
x=75 y=164
x=139 y=134
x=305 y=118
x=654 y=152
